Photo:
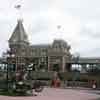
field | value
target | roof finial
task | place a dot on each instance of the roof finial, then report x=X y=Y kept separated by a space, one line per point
x=59 y=30
x=19 y=13
x=58 y=26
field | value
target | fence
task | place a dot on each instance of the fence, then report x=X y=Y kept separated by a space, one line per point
x=76 y=84
x=84 y=80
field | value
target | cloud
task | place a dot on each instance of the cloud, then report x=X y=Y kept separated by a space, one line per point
x=94 y=52
x=91 y=34
x=91 y=30
x=79 y=20
x=83 y=8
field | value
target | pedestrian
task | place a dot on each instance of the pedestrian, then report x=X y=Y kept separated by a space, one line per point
x=94 y=84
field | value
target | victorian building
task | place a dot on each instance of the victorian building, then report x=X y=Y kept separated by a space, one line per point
x=49 y=57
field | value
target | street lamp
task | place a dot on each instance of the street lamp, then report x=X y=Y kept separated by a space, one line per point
x=10 y=68
x=76 y=57
x=6 y=56
x=76 y=71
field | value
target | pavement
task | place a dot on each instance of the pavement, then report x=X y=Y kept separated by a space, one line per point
x=59 y=94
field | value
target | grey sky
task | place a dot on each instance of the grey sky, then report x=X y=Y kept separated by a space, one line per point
x=80 y=21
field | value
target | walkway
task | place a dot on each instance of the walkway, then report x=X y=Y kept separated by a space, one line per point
x=59 y=94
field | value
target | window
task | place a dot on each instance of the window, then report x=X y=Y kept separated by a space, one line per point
x=43 y=52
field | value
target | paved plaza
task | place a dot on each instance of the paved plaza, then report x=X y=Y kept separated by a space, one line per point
x=59 y=94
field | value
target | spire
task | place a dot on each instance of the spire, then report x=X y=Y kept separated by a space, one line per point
x=19 y=34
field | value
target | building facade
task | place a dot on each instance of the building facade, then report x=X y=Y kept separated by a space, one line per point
x=45 y=57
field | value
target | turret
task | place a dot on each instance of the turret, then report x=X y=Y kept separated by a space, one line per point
x=19 y=38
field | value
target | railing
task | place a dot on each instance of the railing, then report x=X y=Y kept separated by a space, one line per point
x=84 y=61
x=76 y=84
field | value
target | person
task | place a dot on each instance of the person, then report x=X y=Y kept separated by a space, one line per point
x=52 y=83
x=94 y=84
x=57 y=82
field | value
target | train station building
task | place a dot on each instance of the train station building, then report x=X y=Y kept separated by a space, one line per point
x=44 y=57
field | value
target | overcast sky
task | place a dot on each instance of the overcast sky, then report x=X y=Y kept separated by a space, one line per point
x=79 y=20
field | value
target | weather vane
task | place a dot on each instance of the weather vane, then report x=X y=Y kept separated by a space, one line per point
x=59 y=31
x=58 y=26
x=18 y=7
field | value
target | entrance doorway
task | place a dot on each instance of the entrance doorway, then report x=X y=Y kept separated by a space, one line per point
x=56 y=67
x=68 y=67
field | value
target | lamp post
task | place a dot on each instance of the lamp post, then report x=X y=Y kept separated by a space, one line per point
x=9 y=55
x=7 y=72
x=76 y=72
x=6 y=55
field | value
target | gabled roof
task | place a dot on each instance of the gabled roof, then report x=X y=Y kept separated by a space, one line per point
x=19 y=34
x=60 y=44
